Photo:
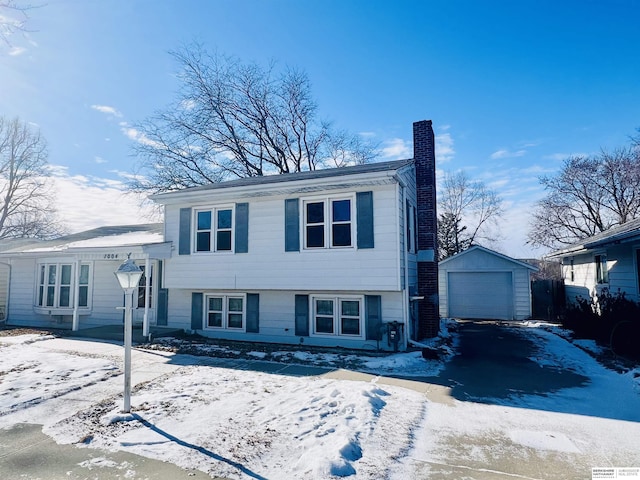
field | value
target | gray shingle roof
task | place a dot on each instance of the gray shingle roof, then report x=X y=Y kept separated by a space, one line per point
x=298 y=176
x=626 y=231
x=108 y=231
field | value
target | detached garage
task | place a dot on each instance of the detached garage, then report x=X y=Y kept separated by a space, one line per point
x=481 y=283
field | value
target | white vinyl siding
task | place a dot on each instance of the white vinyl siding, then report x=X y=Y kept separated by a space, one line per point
x=268 y=265
x=622 y=273
x=277 y=319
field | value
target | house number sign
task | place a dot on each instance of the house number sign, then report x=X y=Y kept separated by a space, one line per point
x=110 y=256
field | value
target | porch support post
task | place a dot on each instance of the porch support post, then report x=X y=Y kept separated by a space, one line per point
x=76 y=298
x=147 y=292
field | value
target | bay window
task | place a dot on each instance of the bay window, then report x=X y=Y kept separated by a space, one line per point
x=56 y=282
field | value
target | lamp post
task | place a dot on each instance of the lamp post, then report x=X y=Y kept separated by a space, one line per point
x=128 y=275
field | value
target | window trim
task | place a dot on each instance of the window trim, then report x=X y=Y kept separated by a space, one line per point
x=40 y=292
x=328 y=222
x=337 y=324
x=602 y=269
x=225 y=311
x=213 y=231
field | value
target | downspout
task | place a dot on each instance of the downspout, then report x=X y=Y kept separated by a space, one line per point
x=6 y=307
x=75 y=325
x=405 y=296
x=147 y=285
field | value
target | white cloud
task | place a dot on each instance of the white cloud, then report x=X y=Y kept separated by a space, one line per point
x=137 y=136
x=396 y=148
x=188 y=104
x=88 y=202
x=563 y=156
x=504 y=153
x=107 y=110
x=400 y=148
x=100 y=160
x=367 y=134
x=444 y=146
x=15 y=51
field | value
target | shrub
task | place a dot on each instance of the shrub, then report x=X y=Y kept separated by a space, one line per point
x=610 y=319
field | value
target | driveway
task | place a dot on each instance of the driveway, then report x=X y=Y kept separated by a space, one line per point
x=494 y=362
x=525 y=403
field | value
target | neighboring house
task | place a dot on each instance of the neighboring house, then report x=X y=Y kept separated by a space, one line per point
x=335 y=257
x=481 y=283
x=327 y=257
x=70 y=283
x=609 y=259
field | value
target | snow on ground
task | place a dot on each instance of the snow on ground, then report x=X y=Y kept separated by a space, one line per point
x=240 y=423
x=574 y=429
x=29 y=376
x=221 y=421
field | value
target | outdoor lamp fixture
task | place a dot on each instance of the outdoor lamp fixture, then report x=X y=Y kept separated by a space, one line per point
x=128 y=275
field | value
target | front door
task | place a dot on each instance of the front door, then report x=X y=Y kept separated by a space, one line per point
x=140 y=297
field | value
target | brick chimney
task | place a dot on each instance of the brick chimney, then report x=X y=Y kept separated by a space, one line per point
x=425 y=163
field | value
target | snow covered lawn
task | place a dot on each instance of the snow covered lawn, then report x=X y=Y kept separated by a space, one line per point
x=242 y=423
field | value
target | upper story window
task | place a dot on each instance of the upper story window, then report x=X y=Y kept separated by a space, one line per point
x=214 y=230
x=328 y=223
x=602 y=273
x=56 y=282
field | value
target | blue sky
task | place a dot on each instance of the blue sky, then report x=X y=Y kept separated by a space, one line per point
x=512 y=87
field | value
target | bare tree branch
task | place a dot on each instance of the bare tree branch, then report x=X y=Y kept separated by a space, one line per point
x=14 y=16
x=26 y=198
x=234 y=119
x=469 y=213
x=589 y=195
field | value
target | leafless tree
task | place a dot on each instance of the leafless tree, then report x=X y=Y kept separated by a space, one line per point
x=232 y=120
x=469 y=213
x=13 y=19
x=589 y=195
x=26 y=200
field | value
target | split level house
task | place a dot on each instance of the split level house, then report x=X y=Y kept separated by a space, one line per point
x=610 y=259
x=335 y=257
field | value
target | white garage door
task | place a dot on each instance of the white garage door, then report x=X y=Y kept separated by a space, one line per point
x=481 y=295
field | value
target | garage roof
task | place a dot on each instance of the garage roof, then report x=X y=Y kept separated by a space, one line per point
x=491 y=252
